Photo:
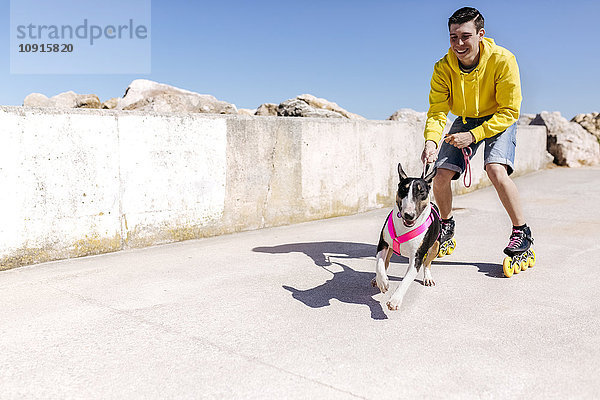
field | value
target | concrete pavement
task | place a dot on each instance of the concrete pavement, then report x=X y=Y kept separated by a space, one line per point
x=289 y=312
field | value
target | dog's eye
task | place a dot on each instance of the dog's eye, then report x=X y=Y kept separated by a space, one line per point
x=421 y=191
x=403 y=189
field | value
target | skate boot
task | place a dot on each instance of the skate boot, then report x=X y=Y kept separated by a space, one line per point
x=447 y=241
x=520 y=254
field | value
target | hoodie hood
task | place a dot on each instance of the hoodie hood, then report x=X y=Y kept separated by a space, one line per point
x=492 y=88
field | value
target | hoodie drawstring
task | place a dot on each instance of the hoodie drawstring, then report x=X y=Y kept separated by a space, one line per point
x=462 y=88
x=476 y=92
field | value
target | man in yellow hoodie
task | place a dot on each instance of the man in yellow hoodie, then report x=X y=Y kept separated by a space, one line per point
x=479 y=82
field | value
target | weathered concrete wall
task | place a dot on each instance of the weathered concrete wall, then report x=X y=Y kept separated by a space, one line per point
x=84 y=182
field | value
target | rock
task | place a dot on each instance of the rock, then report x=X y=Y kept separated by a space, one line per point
x=525 y=119
x=145 y=95
x=317 y=102
x=590 y=122
x=410 y=116
x=267 y=110
x=414 y=118
x=299 y=108
x=568 y=142
x=307 y=105
x=246 y=111
x=87 y=101
x=63 y=100
x=110 y=103
x=36 y=100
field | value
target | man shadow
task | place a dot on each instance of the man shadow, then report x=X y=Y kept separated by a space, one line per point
x=348 y=285
x=491 y=270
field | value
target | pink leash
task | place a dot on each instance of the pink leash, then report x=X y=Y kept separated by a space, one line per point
x=467 y=151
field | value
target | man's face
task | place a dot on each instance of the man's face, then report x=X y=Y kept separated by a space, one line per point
x=464 y=41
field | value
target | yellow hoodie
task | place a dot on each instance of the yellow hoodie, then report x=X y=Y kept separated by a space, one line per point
x=494 y=87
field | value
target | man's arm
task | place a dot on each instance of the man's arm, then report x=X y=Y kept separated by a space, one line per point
x=508 y=97
x=438 y=105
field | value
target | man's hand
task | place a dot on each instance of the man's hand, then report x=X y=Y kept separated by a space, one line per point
x=429 y=152
x=460 y=139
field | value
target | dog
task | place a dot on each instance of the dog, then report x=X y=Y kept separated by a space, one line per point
x=415 y=223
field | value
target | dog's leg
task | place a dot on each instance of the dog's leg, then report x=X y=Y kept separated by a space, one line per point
x=381 y=279
x=431 y=254
x=390 y=253
x=414 y=265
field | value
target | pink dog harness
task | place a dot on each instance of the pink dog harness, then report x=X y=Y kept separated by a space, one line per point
x=397 y=240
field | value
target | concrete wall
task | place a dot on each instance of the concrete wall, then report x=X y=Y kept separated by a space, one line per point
x=83 y=182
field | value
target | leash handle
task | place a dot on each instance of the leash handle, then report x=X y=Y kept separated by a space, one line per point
x=425 y=166
x=467 y=152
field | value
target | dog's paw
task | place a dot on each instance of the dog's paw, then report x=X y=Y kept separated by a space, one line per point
x=428 y=279
x=382 y=282
x=393 y=304
x=428 y=282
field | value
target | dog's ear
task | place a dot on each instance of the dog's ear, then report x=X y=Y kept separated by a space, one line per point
x=429 y=175
x=401 y=173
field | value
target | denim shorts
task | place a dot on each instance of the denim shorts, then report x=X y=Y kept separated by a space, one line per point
x=499 y=149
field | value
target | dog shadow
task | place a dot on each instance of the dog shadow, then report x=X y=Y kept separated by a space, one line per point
x=351 y=286
x=348 y=285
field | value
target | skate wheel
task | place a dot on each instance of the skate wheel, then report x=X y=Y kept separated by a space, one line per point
x=517 y=267
x=531 y=259
x=507 y=267
x=451 y=246
x=524 y=265
x=442 y=253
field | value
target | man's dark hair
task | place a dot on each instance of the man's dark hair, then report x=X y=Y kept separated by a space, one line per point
x=466 y=14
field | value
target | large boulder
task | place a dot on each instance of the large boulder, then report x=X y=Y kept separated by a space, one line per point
x=568 y=142
x=307 y=105
x=591 y=123
x=267 y=110
x=145 y=95
x=68 y=99
x=36 y=100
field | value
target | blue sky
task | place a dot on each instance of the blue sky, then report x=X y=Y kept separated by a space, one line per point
x=371 y=57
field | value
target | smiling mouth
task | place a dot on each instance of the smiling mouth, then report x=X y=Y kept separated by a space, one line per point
x=461 y=52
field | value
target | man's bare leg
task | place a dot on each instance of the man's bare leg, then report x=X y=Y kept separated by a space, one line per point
x=443 y=191
x=507 y=192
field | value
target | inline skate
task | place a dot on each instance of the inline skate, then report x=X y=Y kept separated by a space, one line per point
x=520 y=254
x=447 y=241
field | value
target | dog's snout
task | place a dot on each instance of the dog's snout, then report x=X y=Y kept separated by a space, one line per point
x=408 y=216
